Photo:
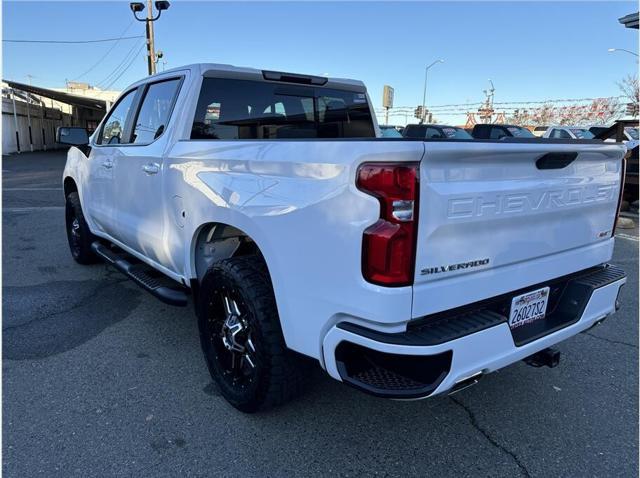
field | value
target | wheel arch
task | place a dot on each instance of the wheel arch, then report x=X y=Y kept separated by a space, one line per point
x=69 y=186
x=215 y=241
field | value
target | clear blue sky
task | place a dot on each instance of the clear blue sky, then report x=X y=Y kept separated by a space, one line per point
x=531 y=50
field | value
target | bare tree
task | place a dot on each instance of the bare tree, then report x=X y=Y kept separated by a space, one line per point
x=544 y=115
x=602 y=111
x=599 y=111
x=629 y=88
x=520 y=118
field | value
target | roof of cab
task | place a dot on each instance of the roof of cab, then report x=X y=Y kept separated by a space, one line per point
x=219 y=70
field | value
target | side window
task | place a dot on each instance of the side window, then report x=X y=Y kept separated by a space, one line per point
x=414 y=131
x=432 y=133
x=116 y=123
x=497 y=133
x=155 y=110
x=560 y=134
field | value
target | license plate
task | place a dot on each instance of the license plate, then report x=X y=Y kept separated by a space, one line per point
x=528 y=308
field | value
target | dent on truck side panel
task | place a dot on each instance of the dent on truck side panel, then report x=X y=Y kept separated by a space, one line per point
x=298 y=201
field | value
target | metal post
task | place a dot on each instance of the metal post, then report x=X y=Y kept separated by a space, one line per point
x=424 y=95
x=151 y=54
x=386 y=116
x=29 y=115
x=44 y=141
x=15 y=120
x=29 y=121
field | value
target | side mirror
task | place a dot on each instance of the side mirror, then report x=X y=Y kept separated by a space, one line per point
x=72 y=135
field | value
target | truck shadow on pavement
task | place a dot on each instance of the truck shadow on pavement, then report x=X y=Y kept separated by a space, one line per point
x=45 y=320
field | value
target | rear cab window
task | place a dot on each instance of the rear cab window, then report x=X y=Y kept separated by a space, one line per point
x=231 y=109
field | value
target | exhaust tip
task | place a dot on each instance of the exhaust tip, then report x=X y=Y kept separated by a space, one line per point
x=466 y=382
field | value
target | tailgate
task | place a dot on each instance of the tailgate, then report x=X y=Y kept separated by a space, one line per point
x=495 y=217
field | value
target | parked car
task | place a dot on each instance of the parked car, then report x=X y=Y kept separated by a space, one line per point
x=538 y=131
x=568 y=132
x=390 y=131
x=630 y=134
x=499 y=131
x=434 y=131
x=405 y=269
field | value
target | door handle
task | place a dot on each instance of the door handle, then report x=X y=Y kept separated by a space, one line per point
x=151 y=168
x=107 y=164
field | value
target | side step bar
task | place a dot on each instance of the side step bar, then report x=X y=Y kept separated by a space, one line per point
x=138 y=273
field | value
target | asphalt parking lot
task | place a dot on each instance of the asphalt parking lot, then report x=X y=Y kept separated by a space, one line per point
x=101 y=379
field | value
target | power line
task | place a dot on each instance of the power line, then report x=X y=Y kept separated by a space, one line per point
x=107 y=53
x=472 y=105
x=115 y=71
x=74 y=41
x=133 y=58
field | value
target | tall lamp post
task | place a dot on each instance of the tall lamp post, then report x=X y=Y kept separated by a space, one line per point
x=138 y=7
x=424 y=93
x=611 y=50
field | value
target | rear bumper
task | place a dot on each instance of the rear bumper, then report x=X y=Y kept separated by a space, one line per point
x=446 y=352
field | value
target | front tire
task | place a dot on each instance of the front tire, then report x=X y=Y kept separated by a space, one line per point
x=78 y=234
x=241 y=336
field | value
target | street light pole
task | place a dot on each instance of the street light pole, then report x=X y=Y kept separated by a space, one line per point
x=151 y=54
x=424 y=93
x=149 y=19
x=611 y=50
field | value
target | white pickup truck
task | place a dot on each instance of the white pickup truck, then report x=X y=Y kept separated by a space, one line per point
x=405 y=267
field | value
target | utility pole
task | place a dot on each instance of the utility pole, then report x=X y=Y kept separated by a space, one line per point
x=151 y=54
x=149 y=19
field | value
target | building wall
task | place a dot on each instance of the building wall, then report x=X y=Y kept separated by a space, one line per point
x=44 y=122
x=45 y=119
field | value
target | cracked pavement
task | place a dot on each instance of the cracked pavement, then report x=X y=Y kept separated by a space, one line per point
x=101 y=379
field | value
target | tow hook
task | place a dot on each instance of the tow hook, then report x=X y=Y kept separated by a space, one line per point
x=549 y=357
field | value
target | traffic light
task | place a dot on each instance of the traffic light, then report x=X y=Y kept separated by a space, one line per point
x=418 y=112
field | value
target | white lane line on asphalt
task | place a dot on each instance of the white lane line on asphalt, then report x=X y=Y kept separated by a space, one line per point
x=627 y=237
x=32 y=209
x=32 y=189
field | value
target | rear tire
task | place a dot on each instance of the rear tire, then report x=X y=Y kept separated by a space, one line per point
x=78 y=233
x=242 y=339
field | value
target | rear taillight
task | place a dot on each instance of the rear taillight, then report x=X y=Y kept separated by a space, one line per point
x=623 y=172
x=389 y=245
